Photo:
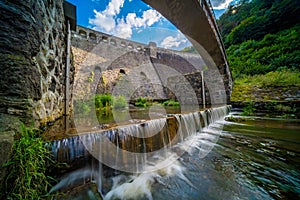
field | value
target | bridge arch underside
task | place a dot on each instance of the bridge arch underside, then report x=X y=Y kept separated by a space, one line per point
x=194 y=19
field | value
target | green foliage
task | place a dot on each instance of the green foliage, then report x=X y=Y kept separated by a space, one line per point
x=27 y=177
x=233 y=16
x=262 y=36
x=262 y=40
x=106 y=99
x=279 y=78
x=171 y=103
x=231 y=118
x=119 y=102
x=271 y=79
x=254 y=19
x=103 y=100
x=98 y=102
x=141 y=102
x=245 y=86
x=249 y=109
x=274 y=52
x=285 y=109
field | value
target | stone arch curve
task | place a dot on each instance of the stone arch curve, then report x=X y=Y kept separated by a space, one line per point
x=203 y=33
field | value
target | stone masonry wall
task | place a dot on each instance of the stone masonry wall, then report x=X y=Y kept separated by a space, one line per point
x=32 y=59
x=32 y=70
x=140 y=70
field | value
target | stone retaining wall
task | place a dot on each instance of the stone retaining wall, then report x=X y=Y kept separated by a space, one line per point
x=32 y=70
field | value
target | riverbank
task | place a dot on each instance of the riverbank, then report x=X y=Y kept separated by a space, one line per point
x=276 y=93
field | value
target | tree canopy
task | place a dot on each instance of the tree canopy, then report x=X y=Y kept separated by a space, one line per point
x=262 y=36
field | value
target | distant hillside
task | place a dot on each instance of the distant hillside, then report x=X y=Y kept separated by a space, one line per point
x=256 y=18
x=262 y=36
x=189 y=49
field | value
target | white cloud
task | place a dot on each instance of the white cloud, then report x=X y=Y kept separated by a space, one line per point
x=151 y=16
x=171 y=42
x=108 y=21
x=114 y=7
x=148 y=18
x=103 y=22
x=221 y=4
x=123 y=29
x=134 y=21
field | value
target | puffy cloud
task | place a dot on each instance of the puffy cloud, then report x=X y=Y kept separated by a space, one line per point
x=148 y=18
x=108 y=21
x=171 y=42
x=123 y=30
x=114 y=7
x=103 y=22
x=221 y=4
x=134 y=21
x=151 y=16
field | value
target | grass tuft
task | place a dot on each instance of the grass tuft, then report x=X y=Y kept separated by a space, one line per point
x=27 y=177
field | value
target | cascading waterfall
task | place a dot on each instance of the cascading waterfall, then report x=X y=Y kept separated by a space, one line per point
x=145 y=141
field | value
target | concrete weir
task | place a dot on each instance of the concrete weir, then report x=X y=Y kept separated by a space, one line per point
x=128 y=147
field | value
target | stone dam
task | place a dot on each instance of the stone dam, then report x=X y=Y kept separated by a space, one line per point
x=107 y=64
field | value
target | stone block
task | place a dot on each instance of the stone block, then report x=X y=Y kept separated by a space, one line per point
x=6 y=144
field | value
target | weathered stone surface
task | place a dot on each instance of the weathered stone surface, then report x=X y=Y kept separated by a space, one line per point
x=8 y=126
x=32 y=70
x=86 y=191
x=6 y=143
x=147 y=71
x=32 y=56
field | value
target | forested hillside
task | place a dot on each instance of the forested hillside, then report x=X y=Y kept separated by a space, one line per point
x=262 y=40
x=262 y=36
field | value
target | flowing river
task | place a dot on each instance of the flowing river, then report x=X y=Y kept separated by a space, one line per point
x=257 y=158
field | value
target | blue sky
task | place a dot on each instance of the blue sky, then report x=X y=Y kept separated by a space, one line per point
x=134 y=20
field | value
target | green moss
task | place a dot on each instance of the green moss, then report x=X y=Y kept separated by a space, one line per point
x=104 y=80
x=91 y=77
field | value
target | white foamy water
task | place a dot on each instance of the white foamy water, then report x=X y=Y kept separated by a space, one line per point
x=158 y=167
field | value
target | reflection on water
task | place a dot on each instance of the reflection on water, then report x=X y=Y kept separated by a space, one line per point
x=105 y=119
x=255 y=159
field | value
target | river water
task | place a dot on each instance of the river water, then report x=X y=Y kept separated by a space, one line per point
x=257 y=158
